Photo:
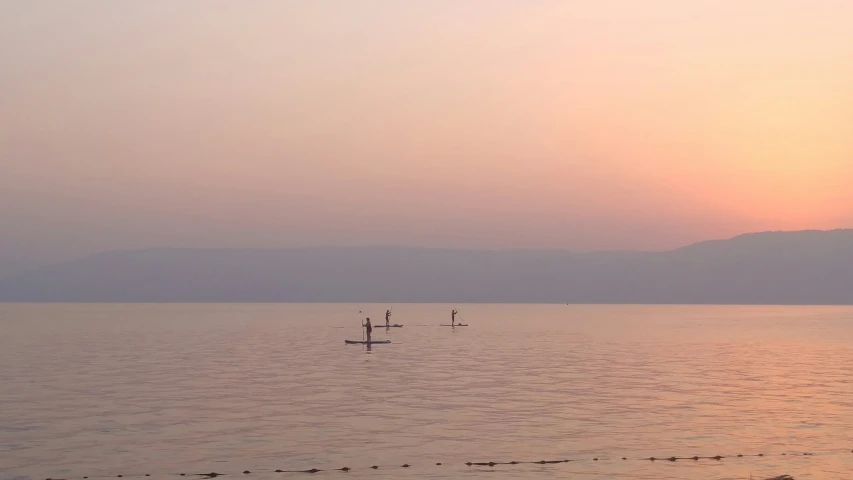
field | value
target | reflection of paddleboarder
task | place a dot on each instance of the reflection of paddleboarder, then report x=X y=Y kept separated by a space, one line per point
x=368 y=329
x=453 y=317
x=387 y=318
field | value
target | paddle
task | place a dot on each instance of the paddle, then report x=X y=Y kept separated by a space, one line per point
x=362 y=325
x=461 y=320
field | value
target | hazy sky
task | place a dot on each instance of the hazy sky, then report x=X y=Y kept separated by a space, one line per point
x=481 y=123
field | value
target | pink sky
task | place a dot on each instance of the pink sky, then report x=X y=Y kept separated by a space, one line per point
x=487 y=123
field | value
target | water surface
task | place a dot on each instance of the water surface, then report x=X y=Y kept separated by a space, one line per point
x=102 y=390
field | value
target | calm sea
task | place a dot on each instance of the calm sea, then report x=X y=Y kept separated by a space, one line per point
x=107 y=390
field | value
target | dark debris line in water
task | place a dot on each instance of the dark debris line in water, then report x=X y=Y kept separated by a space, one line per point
x=375 y=467
x=488 y=464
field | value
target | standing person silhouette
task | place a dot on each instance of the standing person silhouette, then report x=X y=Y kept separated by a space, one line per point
x=453 y=317
x=368 y=329
x=387 y=318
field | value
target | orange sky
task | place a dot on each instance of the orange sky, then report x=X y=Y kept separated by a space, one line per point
x=487 y=123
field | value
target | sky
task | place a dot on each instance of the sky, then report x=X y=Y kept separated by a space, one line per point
x=584 y=125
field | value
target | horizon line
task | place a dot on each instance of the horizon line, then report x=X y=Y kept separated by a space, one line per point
x=472 y=249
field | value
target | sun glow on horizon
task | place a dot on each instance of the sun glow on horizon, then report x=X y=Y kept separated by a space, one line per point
x=593 y=124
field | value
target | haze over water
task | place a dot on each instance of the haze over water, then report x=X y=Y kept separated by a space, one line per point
x=101 y=390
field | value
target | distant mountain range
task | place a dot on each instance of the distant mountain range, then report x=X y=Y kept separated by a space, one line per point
x=808 y=267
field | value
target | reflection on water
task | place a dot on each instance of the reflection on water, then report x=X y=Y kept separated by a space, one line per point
x=162 y=389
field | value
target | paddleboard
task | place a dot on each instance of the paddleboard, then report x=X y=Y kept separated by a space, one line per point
x=457 y=325
x=388 y=326
x=365 y=342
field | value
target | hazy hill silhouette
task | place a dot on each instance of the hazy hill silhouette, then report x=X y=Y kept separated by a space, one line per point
x=809 y=267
